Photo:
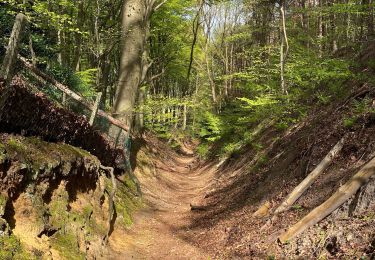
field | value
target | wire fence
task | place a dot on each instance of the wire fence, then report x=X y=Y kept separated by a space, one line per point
x=115 y=131
x=116 y=135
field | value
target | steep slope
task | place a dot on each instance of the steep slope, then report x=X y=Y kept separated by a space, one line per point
x=56 y=200
x=258 y=180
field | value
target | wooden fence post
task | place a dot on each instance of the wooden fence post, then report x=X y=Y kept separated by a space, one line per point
x=95 y=109
x=6 y=71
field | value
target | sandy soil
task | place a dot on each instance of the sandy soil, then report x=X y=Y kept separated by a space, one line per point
x=159 y=231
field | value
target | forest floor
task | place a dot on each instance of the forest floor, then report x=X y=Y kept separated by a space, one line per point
x=160 y=228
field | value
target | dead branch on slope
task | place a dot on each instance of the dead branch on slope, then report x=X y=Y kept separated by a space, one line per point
x=336 y=200
x=311 y=178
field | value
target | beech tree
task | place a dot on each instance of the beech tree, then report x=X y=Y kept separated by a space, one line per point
x=136 y=15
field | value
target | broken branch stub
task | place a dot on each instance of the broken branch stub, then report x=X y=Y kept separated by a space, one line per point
x=311 y=178
x=263 y=210
x=344 y=193
x=96 y=107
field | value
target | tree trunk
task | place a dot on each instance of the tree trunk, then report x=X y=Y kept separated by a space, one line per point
x=284 y=48
x=320 y=25
x=139 y=117
x=132 y=45
x=59 y=44
x=78 y=36
x=185 y=118
x=32 y=52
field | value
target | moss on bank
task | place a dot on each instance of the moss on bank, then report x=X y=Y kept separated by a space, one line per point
x=11 y=248
x=62 y=211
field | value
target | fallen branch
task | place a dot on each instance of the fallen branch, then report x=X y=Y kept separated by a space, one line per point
x=111 y=210
x=71 y=93
x=361 y=92
x=336 y=200
x=311 y=178
x=197 y=207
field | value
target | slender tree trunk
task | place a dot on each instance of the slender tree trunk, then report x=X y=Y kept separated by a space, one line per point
x=32 y=52
x=78 y=37
x=226 y=62
x=184 y=124
x=284 y=49
x=59 y=43
x=139 y=117
x=370 y=20
x=320 y=27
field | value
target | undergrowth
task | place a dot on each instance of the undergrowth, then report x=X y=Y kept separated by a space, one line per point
x=11 y=248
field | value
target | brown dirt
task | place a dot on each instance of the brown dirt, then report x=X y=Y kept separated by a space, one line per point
x=160 y=229
x=232 y=191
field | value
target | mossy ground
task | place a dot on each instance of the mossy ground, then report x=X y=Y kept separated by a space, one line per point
x=11 y=248
x=38 y=154
x=66 y=244
x=78 y=216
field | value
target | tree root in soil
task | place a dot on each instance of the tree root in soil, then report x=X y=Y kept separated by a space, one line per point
x=111 y=211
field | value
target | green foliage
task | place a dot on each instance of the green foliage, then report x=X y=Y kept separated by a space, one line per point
x=362 y=106
x=359 y=108
x=210 y=127
x=265 y=100
x=66 y=244
x=11 y=248
x=86 y=82
x=203 y=150
x=80 y=82
x=297 y=207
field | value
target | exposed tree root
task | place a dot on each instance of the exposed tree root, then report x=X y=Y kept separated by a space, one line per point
x=263 y=210
x=336 y=200
x=111 y=210
x=310 y=179
x=197 y=207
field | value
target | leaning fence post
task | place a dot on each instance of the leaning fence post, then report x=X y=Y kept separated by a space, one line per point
x=96 y=107
x=6 y=71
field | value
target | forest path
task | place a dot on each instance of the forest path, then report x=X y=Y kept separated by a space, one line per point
x=161 y=228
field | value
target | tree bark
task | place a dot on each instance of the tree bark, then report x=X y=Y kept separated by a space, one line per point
x=95 y=108
x=284 y=48
x=310 y=179
x=184 y=123
x=78 y=36
x=132 y=45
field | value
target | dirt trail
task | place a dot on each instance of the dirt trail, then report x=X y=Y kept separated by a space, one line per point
x=159 y=231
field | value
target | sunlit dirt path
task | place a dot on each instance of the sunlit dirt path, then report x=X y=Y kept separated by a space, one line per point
x=160 y=230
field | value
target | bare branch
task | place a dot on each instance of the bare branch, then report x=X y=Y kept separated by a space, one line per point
x=159 y=5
